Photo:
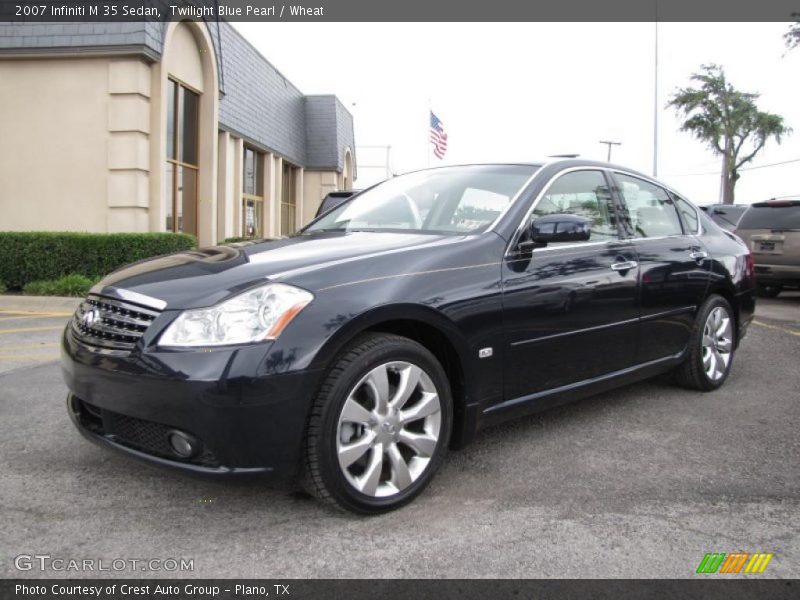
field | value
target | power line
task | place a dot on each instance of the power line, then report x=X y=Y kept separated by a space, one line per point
x=787 y=196
x=783 y=162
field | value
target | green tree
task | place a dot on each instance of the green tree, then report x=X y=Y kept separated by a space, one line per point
x=792 y=37
x=727 y=120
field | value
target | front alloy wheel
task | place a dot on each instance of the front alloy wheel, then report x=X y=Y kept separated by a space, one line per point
x=380 y=425
x=388 y=429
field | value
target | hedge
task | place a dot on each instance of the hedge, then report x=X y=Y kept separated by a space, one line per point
x=69 y=285
x=28 y=256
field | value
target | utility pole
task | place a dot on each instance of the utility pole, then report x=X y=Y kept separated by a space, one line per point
x=609 y=144
x=655 y=96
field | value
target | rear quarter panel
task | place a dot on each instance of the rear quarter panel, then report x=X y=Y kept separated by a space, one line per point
x=728 y=275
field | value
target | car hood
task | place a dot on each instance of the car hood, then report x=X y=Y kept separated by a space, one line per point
x=206 y=276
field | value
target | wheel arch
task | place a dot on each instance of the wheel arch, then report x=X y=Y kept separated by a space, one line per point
x=730 y=296
x=432 y=330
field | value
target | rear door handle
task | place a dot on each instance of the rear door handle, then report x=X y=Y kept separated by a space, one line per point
x=698 y=254
x=625 y=265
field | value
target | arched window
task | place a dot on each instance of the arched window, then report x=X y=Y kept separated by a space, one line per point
x=347 y=172
x=184 y=148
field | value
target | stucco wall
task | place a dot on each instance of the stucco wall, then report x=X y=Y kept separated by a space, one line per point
x=258 y=103
x=317 y=185
x=53 y=146
x=83 y=142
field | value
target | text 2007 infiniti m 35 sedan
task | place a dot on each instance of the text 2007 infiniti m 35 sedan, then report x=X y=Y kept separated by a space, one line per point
x=353 y=354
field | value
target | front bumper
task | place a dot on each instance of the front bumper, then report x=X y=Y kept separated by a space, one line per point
x=247 y=413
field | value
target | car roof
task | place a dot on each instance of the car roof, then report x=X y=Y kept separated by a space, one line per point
x=726 y=205
x=776 y=203
x=551 y=162
x=562 y=163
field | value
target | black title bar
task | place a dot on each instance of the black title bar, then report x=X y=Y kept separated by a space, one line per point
x=21 y=11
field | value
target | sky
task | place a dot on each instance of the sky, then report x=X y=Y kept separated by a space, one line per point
x=524 y=91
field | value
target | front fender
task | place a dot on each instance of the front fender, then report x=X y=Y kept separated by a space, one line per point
x=392 y=312
x=476 y=380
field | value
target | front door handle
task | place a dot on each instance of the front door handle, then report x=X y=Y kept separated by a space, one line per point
x=698 y=254
x=626 y=265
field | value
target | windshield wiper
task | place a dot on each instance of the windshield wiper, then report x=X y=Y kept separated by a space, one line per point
x=324 y=230
x=345 y=229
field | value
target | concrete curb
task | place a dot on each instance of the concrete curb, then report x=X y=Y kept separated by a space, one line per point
x=48 y=304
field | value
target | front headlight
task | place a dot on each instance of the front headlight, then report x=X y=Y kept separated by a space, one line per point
x=256 y=315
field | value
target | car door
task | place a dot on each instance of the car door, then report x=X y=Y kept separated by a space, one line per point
x=673 y=266
x=569 y=308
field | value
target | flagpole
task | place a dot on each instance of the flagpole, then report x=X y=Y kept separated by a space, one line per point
x=428 y=134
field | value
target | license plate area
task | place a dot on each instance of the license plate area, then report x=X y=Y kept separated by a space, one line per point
x=768 y=247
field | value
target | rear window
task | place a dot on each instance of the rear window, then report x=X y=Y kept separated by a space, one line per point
x=727 y=216
x=333 y=199
x=688 y=214
x=771 y=217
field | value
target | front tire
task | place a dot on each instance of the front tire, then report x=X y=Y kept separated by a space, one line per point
x=379 y=427
x=711 y=347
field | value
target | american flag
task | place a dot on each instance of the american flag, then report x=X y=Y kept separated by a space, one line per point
x=438 y=137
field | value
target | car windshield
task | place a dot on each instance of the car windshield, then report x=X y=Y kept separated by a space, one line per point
x=453 y=200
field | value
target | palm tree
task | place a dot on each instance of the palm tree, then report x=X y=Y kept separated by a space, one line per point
x=727 y=120
x=792 y=37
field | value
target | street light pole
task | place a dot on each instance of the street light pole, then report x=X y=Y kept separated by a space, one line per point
x=655 y=97
x=609 y=144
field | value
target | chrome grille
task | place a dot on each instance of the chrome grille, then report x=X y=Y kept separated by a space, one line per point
x=114 y=326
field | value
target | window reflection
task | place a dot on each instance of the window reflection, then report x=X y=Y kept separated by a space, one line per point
x=252 y=194
x=585 y=194
x=181 y=170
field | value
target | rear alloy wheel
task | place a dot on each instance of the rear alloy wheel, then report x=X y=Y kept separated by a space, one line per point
x=380 y=427
x=717 y=344
x=711 y=347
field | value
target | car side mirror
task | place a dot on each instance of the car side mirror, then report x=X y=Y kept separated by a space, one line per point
x=550 y=229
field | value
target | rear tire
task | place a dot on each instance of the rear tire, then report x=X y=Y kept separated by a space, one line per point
x=380 y=425
x=769 y=290
x=711 y=347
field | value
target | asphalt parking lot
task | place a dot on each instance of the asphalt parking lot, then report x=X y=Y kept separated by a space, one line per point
x=639 y=482
x=29 y=337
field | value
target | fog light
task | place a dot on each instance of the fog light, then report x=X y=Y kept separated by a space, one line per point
x=182 y=444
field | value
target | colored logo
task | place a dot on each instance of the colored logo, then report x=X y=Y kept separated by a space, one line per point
x=734 y=562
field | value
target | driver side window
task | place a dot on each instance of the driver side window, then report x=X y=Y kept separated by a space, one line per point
x=584 y=194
